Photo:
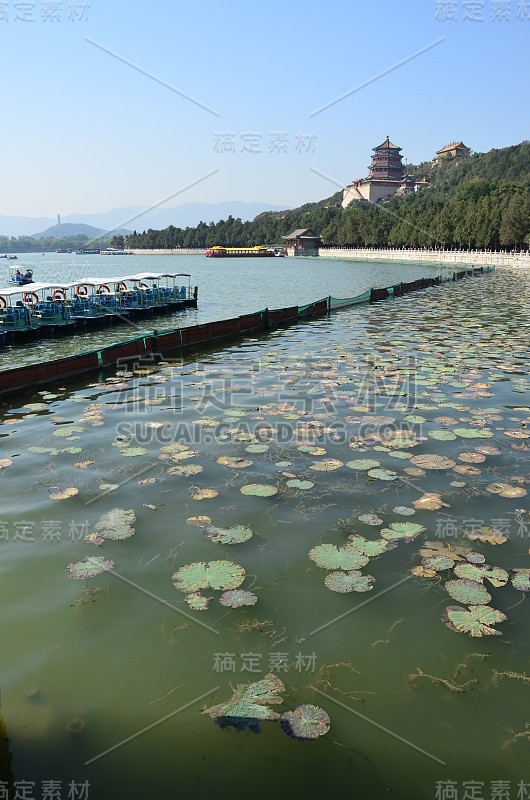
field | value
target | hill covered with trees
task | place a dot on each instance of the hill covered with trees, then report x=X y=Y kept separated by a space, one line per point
x=479 y=202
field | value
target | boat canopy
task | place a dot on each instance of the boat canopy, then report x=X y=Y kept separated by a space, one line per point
x=32 y=287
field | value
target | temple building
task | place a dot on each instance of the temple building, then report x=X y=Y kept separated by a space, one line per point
x=303 y=242
x=451 y=152
x=387 y=177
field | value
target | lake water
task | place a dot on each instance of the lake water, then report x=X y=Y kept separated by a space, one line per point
x=227 y=288
x=103 y=680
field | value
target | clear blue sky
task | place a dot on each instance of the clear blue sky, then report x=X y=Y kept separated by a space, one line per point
x=82 y=131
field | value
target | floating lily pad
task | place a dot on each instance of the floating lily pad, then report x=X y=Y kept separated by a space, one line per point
x=370 y=519
x=382 y=474
x=257 y=448
x=477 y=621
x=487 y=536
x=204 y=494
x=430 y=501
x=259 y=490
x=438 y=563
x=236 y=462
x=328 y=465
x=235 y=598
x=363 y=464
x=116 y=524
x=211 y=575
x=469 y=592
x=236 y=535
x=521 y=580
x=133 y=452
x=306 y=723
x=402 y=530
x=197 y=601
x=368 y=547
x=432 y=461
x=506 y=490
x=475 y=572
x=455 y=551
x=424 y=572
x=185 y=470
x=475 y=558
x=473 y=433
x=250 y=701
x=404 y=511
x=351 y=581
x=89 y=567
x=64 y=494
x=346 y=557
x=5 y=462
x=442 y=436
x=299 y=484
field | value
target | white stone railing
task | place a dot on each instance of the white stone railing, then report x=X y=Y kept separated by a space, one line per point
x=475 y=257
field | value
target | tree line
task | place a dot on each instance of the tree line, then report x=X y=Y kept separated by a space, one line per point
x=478 y=202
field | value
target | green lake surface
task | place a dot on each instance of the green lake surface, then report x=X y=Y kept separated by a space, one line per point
x=103 y=680
x=227 y=288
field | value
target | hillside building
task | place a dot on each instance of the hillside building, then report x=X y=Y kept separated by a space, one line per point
x=452 y=151
x=387 y=177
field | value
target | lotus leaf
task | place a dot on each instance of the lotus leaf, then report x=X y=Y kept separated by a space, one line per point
x=368 y=547
x=432 y=461
x=423 y=572
x=506 y=490
x=257 y=448
x=312 y=450
x=235 y=462
x=131 y=452
x=57 y=494
x=212 y=575
x=469 y=592
x=199 y=521
x=189 y=469
x=236 y=598
x=306 y=723
x=455 y=551
x=328 y=465
x=298 y=484
x=473 y=572
x=442 y=436
x=116 y=524
x=438 y=563
x=521 y=580
x=404 y=511
x=259 y=490
x=5 y=462
x=370 y=519
x=383 y=474
x=475 y=558
x=89 y=567
x=204 y=494
x=472 y=458
x=487 y=535
x=363 y=464
x=430 y=501
x=476 y=621
x=250 y=701
x=351 y=581
x=235 y=535
x=197 y=601
x=473 y=433
x=402 y=530
x=346 y=557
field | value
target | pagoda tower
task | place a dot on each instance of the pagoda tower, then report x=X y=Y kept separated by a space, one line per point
x=387 y=162
x=387 y=177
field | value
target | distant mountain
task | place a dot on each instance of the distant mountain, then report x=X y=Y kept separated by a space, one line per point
x=136 y=218
x=67 y=229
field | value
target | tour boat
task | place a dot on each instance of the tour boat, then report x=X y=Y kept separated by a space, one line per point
x=260 y=251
